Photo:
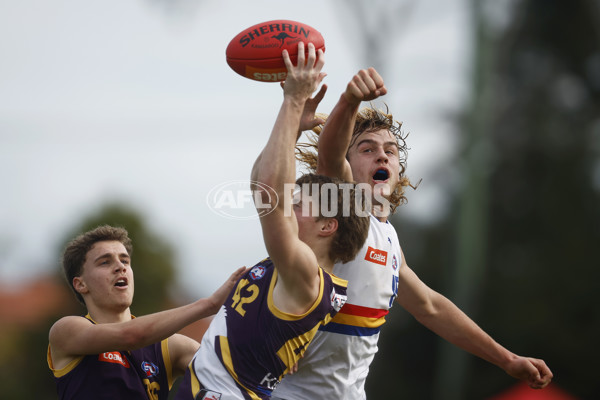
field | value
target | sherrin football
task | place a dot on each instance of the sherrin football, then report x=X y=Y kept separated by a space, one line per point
x=255 y=53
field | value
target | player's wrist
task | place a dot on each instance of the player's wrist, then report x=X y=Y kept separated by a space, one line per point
x=350 y=100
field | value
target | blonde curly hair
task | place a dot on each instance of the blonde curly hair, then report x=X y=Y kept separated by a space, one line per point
x=369 y=119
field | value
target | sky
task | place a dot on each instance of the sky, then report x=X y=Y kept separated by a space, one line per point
x=133 y=102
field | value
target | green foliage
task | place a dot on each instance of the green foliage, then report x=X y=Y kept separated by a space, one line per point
x=540 y=274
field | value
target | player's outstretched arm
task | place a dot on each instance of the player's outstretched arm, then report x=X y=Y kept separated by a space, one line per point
x=335 y=138
x=444 y=318
x=74 y=336
x=276 y=167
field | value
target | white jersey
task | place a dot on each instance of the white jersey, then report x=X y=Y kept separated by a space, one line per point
x=336 y=364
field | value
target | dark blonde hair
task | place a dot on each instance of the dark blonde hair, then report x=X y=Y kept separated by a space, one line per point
x=368 y=120
x=352 y=227
x=77 y=249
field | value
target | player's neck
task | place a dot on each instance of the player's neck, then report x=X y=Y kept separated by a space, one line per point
x=326 y=263
x=382 y=219
x=105 y=316
x=381 y=212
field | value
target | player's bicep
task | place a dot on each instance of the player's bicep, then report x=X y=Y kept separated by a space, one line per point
x=73 y=336
x=181 y=351
x=280 y=232
x=76 y=336
x=414 y=295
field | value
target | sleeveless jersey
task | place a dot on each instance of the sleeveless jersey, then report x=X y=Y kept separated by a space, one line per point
x=337 y=363
x=250 y=344
x=144 y=373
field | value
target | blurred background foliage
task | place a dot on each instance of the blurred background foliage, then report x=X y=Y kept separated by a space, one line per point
x=518 y=252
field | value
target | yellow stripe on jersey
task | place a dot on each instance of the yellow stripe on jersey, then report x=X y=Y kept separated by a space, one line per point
x=294 y=348
x=356 y=320
x=293 y=317
x=226 y=356
x=164 y=347
x=195 y=383
x=64 y=370
x=338 y=281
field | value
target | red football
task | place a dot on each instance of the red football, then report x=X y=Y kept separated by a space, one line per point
x=255 y=53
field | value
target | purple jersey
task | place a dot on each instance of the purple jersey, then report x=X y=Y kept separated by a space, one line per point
x=139 y=374
x=250 y=344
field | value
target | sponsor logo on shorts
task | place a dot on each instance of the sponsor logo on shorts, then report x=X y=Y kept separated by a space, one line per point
x=376 y=256
x=114 y=357
x=149 y=369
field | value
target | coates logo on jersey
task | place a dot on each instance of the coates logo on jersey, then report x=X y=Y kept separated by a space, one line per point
x=337 y=300
x=376 y=256
x=149 y=369
x=114 y=357
x=257 y=272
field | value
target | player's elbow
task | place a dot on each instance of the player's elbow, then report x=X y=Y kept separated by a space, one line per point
x=425 y=312
x=425 y=309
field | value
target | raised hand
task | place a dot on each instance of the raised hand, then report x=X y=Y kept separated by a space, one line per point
x=304 y=77
x=366 y=85
x=221 y=294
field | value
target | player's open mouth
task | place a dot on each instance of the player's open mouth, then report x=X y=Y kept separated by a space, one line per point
x=381 y=175
x=121 y=282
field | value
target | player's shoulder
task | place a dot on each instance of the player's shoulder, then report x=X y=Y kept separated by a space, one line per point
x=65 y=324
x=72 y=319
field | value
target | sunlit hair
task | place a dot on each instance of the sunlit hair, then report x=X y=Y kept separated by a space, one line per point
x=368 y=120
x=352 y=227
x=77 y=249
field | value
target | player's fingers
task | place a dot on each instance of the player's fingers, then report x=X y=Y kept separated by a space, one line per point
x=368 y=81
x=301 y=54
x=360 y=85
x=376 y=77
x=544 y=375
x=354 y=92
x=320 y=94
x=286 y=60
x=320 y=60
x=312 y=56
x=318 y=121
x=320 y=78
x=238 y=273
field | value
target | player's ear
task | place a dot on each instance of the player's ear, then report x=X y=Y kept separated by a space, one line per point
x=329 y=226
x=79 y=285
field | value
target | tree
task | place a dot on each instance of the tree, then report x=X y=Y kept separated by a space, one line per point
x=540 y=221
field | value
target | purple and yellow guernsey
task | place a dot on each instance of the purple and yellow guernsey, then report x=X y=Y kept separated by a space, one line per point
x=144 y=373
x=250 y=345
